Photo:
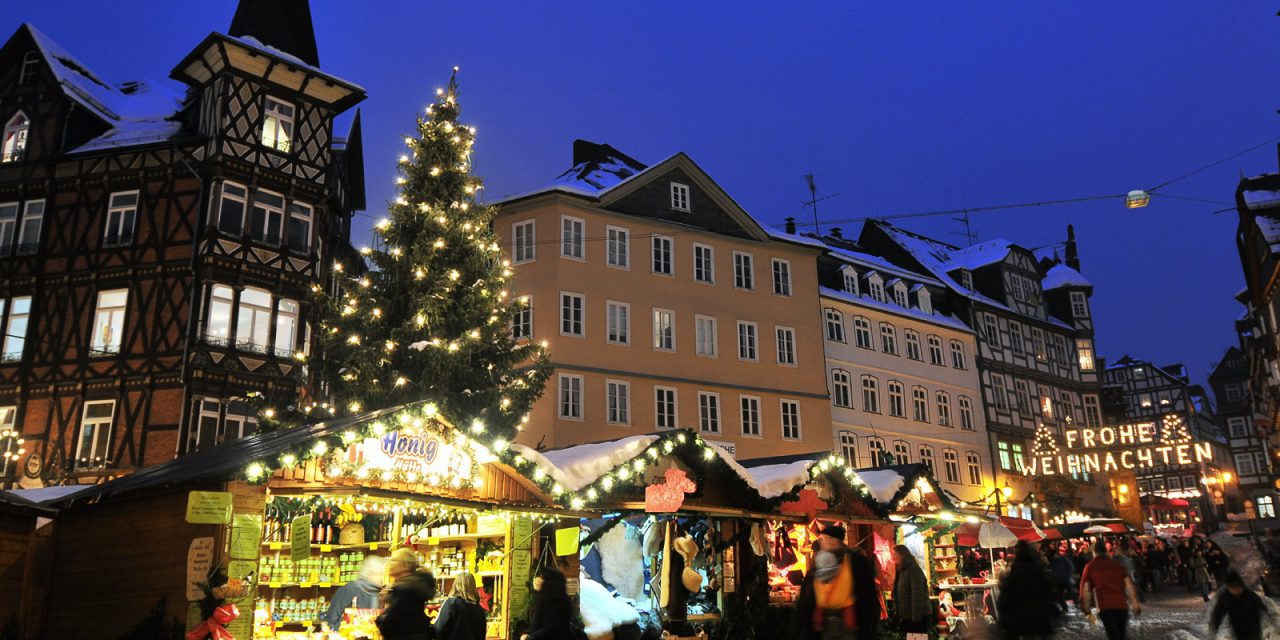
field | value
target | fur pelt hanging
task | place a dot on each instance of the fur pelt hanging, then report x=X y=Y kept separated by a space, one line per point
x=621 y=557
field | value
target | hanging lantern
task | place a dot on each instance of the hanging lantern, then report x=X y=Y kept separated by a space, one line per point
x=1137 y=199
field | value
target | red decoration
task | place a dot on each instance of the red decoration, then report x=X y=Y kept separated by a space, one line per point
x=213 y=626
x=668 y=497
x=808 y=504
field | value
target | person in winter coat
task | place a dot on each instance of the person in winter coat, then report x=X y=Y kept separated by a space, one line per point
x=867 y=604
x=405 y=616
x=1199 y=568
x=361 y=593
x=461 y=617
x=552 y=610
x=911 y=593
x=1028 y=597
x=1061 y=570
x=1245 y=611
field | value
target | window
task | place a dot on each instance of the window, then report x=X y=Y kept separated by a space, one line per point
x=680 y=196
x=619 y=321
x=900 y=295
x=108 y=322
x=572 y=310
x=849 y=447
x=901 y=452
x=523 y=242
x=897 y=399
x=835 y=325
x=926 y=458
x=571 y=238
x=1046 y=407
x=122 y=213
x=974 y=462
x=750 y=415
x=253 y=320
x=999 y=393
x=571 y=397
x=1237 y=427
x=15 y=138
x=1015 y=337
x=1244 y=464
x=944 y=408
x=709 y=412
x=912 y=338
x=790 y=419
x=705 y=338
x=951 y=464
x=662 y=256
x=266 y=217
x=877 y=288
x=870 y=394
x=617 y=253
x=743 y=271
x=277 y=126
x=664 y=410
x=862 y=332
x=8 y=226
x=298 y=232
x=1010 y=456
x=957 y=355
x=218 y=326
x=850 y=281
x=15 y=331
x=1266 y=506
x=617 y=401
x=876 y=451
x=94 y=445
x=1079 y=305
x=888 y=339
x=1174 y=483
x=29 y=231
x=1232 y=390
x=1066 y=408
x=231 y=208
x=1025 y=398
x=1037 y=344
x=781 y=277
x=704 y=263
x=1144 y=487
x=1144 y=401
x=747 y=340
x=1092 y=413
x=919 y=404
x=522 y=323
x=935 y=351
x=664 y=330
x=841 y=388
x=1084 y=349
x=219 y=421
x=786 y=345
x=924 y=301
x=30 y=62
x=286 y=326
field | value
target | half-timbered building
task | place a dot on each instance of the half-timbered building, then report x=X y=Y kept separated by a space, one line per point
x=1238 y=419
x=159 y=240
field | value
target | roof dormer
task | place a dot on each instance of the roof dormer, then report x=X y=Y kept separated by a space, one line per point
x=923 y=299
x=899 y=289
x=875 y=286
x=849 y=280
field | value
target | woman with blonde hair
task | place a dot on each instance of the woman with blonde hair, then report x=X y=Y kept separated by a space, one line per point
x=461 y=617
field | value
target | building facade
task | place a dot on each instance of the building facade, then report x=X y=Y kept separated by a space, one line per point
x=665 y=305
x=1237 y=416
x=159 y=241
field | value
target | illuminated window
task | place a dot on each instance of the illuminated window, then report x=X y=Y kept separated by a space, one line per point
x=1084 y=350
x=664 y=330
x=108 y=323
x=277 y=126
x=705 y=336
x=1046 y=407
x=253 y=320
x=218 y=326
x=1266 y=507
x=93 y=447
x=286 y=327
x=14 y=146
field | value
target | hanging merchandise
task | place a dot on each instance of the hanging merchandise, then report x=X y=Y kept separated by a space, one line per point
x=759 y=545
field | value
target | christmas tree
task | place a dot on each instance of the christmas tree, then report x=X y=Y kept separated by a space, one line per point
x=1045 y=444
x=1175 y=430
x=428 y=317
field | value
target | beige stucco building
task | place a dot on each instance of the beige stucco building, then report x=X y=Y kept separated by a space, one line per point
x=666 y=305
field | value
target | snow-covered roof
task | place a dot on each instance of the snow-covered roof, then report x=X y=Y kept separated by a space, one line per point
x=776 y=477
x=979 y=255
x=50 y=494
x=884 y=484
x=773 y=480
x=1256 y=199
x=794 y=238
x=866 y=301
x=1060 y=275
x=867 y=260
x=258 y=45
x=578 y=466
x=1269 y=226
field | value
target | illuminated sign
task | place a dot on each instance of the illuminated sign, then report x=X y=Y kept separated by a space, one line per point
x=410 y=454
x=668 y=497
x=1111 y=448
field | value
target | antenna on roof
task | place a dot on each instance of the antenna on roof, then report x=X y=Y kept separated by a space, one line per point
x=814 y=200
x=970 y=237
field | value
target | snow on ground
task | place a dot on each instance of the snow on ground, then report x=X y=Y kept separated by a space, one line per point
x=1172 y=615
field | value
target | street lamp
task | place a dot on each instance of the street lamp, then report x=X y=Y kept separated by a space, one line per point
x=11 y=450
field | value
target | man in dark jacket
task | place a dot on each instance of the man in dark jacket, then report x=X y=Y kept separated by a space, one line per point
x=1157 y=565
x=405 y=617
x=1027 y=595
x=1061 y=570
x=361 y=593
x=1243 y=609
x=866 y=594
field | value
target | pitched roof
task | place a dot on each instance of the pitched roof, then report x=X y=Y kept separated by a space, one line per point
x=979 y=255
x=1060 y=275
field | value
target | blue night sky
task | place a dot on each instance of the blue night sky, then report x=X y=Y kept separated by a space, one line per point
x=898 y=107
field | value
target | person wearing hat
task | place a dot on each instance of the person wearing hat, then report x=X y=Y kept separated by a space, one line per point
x=405 y=615
x=828 y=592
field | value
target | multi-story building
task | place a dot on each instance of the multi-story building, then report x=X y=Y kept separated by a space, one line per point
x=1035 y=351
x=158 y=240
x=904 y=387
x=666 y=305
x=1250 y=452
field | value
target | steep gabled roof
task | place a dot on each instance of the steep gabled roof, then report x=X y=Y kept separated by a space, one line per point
x=1060 y=276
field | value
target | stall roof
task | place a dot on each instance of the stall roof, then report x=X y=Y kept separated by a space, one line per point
x=780 y=475
x=12 y=503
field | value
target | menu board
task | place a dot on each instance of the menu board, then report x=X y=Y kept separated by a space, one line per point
x=521 y=557
x=199 y=562
x=246 y=536
x=300 y=538
x=209 y=507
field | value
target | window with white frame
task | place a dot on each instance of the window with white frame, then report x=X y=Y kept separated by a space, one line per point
x=664 y=409
x=786 y=345
x=781 y=277
x=1065 y=408
x=1244 y=464
x=912 y=338
x=705 y=338
x=1084 y=350
x=1237 y=427
x=617 y=247
x=217 y=421
x=943 y=400
x=876 y=451
x=709 y=412
x=926 y=458
x=277 y=124
x=992 y=329
x=958 y=360
x=253 y=320
x=522 y=322
x=966 y=412
x=974 y=462
x=664 y=330
x=93 y=447
x=850 y=278
x=1015 y=337
x=266 y=217
x=619 y=322
x=901 y=452
x=30 y=62
x=1079 y=305
x=1037 y=344
x=870 y=394
x=900 y=295
x=841 y=388
x=1174 y=483
x=1265 y=506
x=617 y=401
x=862 y=332
x=572 y=231
x=1046 y=407
x=297 y=235
x=524 y=243
x=951 y=464
x=750 y=406
x=919 y=404
x=662 y=256
x=8 y=226
x=286 y=327
x=218 y=325
x=744 y=276
x=1092 y=412
x=680 y=196
x=999 y=393
x=748 y=341
x=122 y=214
x=790 y=419
x=835 y=324
x=572 y=312
x=876 y=285
x=232 y=203
x=570 y=397
x=1026 y=399
x=924 y=301
x=15 y=328
x=1232 y=390
x=14 y=146
x=897 y=399
x=108 y=321
x=849 y=448
x=29 y=230
x=935 y=351
x=888 y=339
x=704 y=263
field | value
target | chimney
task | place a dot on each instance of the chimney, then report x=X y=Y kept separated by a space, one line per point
x=1073 y=258
x=791 y=226
x=837 y=233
